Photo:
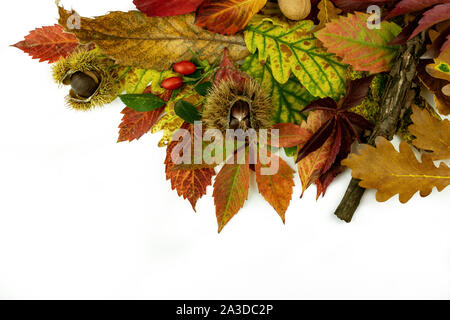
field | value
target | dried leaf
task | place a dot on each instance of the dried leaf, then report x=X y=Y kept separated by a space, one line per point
x=436 y=86
x=431 y=134
x=190 y=184
x=227 y=16
x=48 y=44
x=164 y=8
x=277 y=189
x=230 y=191
x=291 y=135
x=441 y=67
x=392 y=172
x=327 y=12
x=133 y=39
x=364 y=49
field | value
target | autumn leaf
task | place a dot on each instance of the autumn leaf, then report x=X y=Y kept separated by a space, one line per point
x=227 y=16
x=408 y=6
x=327 y=12
x=230 y=191
x=294 y=49
x=364 y=49
x=277 y=189
x=190 y=184
x=290 y=135
x=137 y=80
x=48 y=44
x=441 y=67
x=431 y=134
x=133 y=39
x=357 y=5
x=228 y=71
x=431 y=17
x=392 y=172
x=441 y=100
x=164 y=8
x=135 y=124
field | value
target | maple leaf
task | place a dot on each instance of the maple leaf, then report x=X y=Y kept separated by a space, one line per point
x=364 y=49
x=135 y=124
x=327 y=12
x=392 y=172
x=133 y=39
x=48 y=44
x=230 y=191
x=436 y=140
x=227 y=16
x=277 y=189
x=433 y=16
x=190 y=184
x=164 y=8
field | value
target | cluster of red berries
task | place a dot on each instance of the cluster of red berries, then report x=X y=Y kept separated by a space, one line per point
x=185 y=68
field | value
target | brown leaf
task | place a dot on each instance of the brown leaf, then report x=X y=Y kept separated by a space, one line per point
x=392 y=172
x=230 y=191
x=327 y=12
x=277 y=189
x=435 y=86
x=133 y=39
x=290 y=135
x=190 y=184
x=48 y=44
x=431 y=134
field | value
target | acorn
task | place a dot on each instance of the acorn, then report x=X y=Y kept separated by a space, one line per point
x=89 y=76
x=236 y=105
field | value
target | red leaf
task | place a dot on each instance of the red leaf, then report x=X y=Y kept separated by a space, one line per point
x=48 y=44
x=357 y=5
x=190 y=184
x=228 y=71
x=290 y=135
x=407 y=6
x=356 y=92
x=164 y=8
x=227 y=16
x=433 y=16
x=135 y=124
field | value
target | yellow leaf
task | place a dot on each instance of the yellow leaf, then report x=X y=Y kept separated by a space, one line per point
x=133 y=39
x=392 y=172
x=327 y=12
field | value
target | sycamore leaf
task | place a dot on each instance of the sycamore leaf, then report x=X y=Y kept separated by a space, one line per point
x=277 y=189
x=431 y=17
x=48 y=44
x=231 y=191
x=431 y=134
x=392 y=172
x=290 y=135
x=133 y=39
x=294 y=49
x=288 y=99
x=408 y=6
x=327 y=12
x=163 y=8
x=227 y=16
x=364 y=49
x=135 y=124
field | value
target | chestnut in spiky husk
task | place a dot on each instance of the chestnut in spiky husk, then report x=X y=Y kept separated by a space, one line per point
x=92 y=84
x=233 y=105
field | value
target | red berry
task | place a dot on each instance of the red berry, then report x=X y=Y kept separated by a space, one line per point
x=185 y=68
x=173 y=83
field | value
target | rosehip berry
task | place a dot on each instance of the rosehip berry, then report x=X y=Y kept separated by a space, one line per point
x=173 y=83
x=185 y=68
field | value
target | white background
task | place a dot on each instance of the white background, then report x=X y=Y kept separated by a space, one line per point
x=84 y=217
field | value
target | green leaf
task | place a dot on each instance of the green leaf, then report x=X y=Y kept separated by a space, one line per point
x=187 y=111
x=365 y=49
x=203 y=88
x=294 y=49
x=142 y=102
x=288 y=99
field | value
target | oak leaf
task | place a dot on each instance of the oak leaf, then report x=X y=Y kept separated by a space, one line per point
x=227 y=16
x=190 y=184
x=392 y=172
x=277 y=189
x=48 y=44
x=133 y=39
x=164 y=8
x=431 y=134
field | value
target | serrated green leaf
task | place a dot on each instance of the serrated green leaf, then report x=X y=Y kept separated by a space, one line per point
x=288 y=99
x=142 y=102
x=187 y=111
x=294 y=49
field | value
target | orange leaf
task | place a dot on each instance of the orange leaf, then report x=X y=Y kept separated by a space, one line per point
x=48 y=44
x=227 y=16
x=311 y=167
x=230 y=191
x=277 y=189
x=135 y=124
x=190 y=184
x=291 y=135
